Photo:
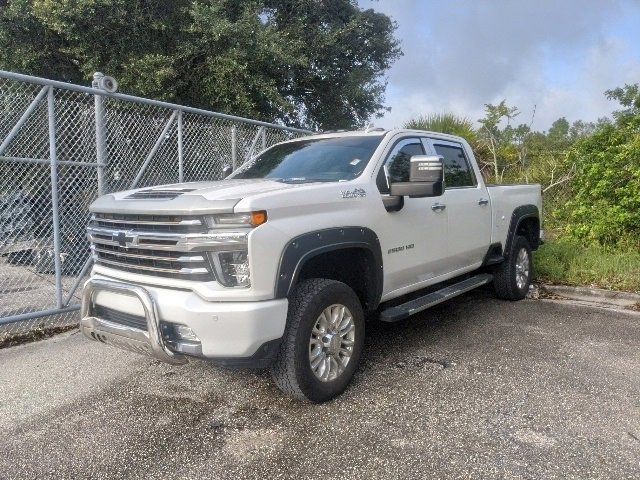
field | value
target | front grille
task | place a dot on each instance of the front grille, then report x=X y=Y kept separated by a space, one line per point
x=121 y=318
x=149 y=223
x=135 y=243
x=159 y=194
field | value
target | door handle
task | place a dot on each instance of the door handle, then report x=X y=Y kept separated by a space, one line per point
x=438 y=207
x=483 y=201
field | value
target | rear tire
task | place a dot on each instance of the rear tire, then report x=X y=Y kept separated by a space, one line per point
x=318 y=357
x=512 y=278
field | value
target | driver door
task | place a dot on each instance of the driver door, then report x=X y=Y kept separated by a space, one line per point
x=414 y=237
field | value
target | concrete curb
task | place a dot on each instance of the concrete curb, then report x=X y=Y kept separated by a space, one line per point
x=594 y=295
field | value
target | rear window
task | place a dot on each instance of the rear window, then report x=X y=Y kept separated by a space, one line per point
x=457 y=172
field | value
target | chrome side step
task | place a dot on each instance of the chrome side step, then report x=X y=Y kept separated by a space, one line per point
x=400 y=312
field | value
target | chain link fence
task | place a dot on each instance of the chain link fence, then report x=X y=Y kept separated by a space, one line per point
x=62 y=146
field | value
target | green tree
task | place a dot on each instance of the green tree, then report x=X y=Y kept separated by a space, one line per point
x=559 y=130
x=498 y=140
x=605 y=206
x=445 y=123
x=629 y=97
x=317 y=64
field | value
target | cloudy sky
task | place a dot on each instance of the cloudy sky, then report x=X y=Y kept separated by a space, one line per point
x=559 y=56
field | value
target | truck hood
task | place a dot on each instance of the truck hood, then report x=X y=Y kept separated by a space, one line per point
x=188 y=198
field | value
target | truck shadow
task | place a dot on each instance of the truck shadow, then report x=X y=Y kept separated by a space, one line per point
x=423 y=338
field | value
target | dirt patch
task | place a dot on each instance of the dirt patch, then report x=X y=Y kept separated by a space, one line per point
x=40 y=333
x=635 y=307
x=542 y=293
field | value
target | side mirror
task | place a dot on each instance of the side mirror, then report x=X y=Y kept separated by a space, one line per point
x=426 y=178
x=226 y=171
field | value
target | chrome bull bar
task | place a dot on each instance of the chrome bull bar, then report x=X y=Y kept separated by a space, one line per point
x=122 y=336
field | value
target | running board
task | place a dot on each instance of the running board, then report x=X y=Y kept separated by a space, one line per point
x=400 y=312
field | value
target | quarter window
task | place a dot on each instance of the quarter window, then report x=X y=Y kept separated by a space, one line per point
x=457 y=172
x=398 y=164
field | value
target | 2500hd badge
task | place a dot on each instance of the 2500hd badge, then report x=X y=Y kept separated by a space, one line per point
x=400 y=248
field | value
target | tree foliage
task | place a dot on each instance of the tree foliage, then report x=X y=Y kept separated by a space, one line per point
x=499 y=140
x=445 y=123
x=605 y=207
x=628 y=97
x=317 y=64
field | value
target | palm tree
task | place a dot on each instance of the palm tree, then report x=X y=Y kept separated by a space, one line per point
x=445 y=123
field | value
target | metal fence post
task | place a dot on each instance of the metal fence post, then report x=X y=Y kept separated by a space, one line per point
x=234 y=148
x=252 y=148
x=55 y=211
x=154 y=149
x=101 y=137
x=180 y=151
x=23 y=119
x=263 y=137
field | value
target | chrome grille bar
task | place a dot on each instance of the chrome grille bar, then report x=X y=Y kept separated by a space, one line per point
x=180 y=271
x=195 y=221
x=181 y=259
x=170 y=241
x=154 y=223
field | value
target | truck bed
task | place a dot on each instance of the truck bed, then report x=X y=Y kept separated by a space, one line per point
x=504 y=200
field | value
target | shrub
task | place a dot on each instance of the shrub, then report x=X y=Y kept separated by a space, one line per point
x=605 y=208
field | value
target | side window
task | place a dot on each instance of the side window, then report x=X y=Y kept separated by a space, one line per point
x=457 y=172
x=397 y=163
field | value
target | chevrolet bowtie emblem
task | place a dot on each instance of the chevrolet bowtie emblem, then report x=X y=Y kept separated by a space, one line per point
x=124 y=239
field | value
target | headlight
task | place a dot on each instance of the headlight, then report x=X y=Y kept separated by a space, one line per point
x=231 y=261
x=235 y=220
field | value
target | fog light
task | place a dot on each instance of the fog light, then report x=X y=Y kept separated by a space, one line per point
x=232 y=268
x=185 y=333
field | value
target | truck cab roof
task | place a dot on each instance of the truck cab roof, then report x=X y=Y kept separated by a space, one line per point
x=378 y=132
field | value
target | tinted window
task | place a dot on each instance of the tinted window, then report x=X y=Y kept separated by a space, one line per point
x=312 y=160
x=398 y=163
x=456 y=169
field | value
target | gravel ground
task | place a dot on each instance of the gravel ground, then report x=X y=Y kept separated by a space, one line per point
x=472 y=388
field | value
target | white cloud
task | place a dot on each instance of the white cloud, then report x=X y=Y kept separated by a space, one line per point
x=460 y=55
x=605 y=67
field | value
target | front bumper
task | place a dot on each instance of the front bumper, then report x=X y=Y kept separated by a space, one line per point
x=229 y=333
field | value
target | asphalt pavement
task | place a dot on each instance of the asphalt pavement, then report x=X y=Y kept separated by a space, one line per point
x=474 y=388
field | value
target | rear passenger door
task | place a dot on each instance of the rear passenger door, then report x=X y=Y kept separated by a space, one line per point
x=468 y=206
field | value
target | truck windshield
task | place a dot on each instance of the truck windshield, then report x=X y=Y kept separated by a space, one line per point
x=312 y=160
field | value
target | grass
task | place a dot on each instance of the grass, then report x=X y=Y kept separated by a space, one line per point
x=568 y=263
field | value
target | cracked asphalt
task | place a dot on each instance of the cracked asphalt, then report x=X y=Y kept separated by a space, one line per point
x=472 y=388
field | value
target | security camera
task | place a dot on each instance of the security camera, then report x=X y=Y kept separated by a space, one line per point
x=108 y=84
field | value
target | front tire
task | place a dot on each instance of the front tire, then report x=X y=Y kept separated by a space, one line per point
x=322 y=343
x=512 y=277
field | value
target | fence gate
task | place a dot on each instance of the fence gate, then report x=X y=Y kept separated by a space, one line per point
x=61 y=146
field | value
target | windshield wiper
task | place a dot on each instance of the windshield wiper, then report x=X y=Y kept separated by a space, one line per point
x=291 y=180
x=302 y=180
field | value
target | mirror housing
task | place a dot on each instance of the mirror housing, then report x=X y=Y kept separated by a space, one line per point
x=426 y=178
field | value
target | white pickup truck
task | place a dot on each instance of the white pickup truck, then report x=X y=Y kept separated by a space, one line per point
x=277 y=265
